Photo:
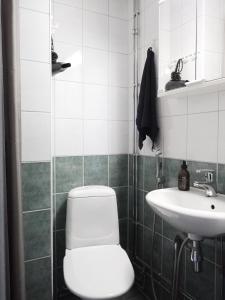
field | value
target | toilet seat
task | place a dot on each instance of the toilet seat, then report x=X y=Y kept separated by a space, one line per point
x=98 y=272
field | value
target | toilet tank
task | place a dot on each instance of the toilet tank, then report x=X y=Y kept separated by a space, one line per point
x=92 y=217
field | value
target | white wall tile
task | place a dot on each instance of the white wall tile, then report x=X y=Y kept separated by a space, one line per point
x=95 y=66
x=67 y=24
x=74 y=3
x=202 y=137
x=100 y=6
x=95 y=102
x=35 y=86
x=68 y=137
x=175 y=136
x=95 y=137
x=36 y=136
x=68 y=100
x=118 y=69
x=118 y=137
x=118 y=35
x=118 y=104
x=222 y=100
x=34 y=36
x=118 y=8
x=40 y=5
x=72 y=54
x=96 y=30
x=173 y=106
x=203 y=103
x=221 y=136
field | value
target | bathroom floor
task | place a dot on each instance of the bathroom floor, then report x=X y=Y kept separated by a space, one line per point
x=133 y=294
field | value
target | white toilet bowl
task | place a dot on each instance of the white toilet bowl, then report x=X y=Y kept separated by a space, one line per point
x=95 y=266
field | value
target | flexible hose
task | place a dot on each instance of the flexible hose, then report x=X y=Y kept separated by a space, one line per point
x=175 y=292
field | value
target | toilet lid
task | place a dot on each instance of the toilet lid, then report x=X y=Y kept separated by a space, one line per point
x=98 y=272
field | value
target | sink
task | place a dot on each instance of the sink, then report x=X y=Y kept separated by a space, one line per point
x=191 y=212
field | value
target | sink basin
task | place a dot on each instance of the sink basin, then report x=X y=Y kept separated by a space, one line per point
x=191 y=212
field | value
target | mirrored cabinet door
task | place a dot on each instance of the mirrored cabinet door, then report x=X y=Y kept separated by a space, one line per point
x=177 y=39
x=210 y=39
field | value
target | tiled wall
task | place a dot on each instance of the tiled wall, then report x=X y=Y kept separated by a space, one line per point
x=36 y=145
x=192 y=128
x=205 y=285
x=90 y=108
x=76 y=171
x=91 y=98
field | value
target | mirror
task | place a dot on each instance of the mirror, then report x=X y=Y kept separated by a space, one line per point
x=210 y=39
x=177 y=39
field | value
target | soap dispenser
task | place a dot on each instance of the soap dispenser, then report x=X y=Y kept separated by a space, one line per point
x=184 y=178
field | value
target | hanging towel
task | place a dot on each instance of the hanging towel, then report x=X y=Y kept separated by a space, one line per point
x=146 y=121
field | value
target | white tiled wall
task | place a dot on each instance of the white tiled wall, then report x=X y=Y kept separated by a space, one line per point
x=193 y=127
x=35 y=80
x=91 y=98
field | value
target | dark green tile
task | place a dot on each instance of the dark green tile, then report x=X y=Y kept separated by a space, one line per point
x=37 y=234
x=148 y=214
x=139 y=245
x=131 y=239
x=149 y=173
x=60 y=289
x=38 y=279
x=123 y=233
x=140 y=206
x=147 y=246
x=96 y=170
x=122 y=201
x=157 y=249
x=170 y=232
x=140 y=172
x=36 y=185
x=131 y=202
x=219 y=284
x=118 y=170
x=208 y=247
x=171 y=170
x=221 y=179
x=131 y=170
x=200 y=285
x=167 y=260
x=60 y=245
x=60 y=210
x=68 y=173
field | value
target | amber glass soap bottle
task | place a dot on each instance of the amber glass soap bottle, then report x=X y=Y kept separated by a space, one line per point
x=184 y=178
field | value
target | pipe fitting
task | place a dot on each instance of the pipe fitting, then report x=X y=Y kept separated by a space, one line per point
x=196 y=256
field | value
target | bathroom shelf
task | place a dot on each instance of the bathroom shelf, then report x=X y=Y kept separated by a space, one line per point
x=198 y=88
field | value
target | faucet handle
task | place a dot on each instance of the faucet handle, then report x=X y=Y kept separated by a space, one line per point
x=208 y=174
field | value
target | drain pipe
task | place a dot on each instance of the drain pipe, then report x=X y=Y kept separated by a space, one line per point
x=196 y=257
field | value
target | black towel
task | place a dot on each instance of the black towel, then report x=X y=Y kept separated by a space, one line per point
x=147 y=123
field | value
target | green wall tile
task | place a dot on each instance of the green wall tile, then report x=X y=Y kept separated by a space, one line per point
x=123 y=233
x=68 y=173
x=38 y=279
x=37 y=235
x=122 y=201
x=221 y=179
x=96 y=170
x=60 y=210
x=36 y=187
x=60 y=244
x=118 y=170
x=149 y=173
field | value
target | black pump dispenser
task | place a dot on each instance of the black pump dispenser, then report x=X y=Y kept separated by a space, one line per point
x=184 y=178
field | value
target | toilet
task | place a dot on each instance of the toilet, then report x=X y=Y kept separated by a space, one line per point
x=95 y=266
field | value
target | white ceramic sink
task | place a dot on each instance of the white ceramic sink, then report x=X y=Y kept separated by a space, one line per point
x=191 y=212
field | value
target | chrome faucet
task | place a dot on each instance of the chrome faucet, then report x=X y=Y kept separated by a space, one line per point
x=207 y=184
